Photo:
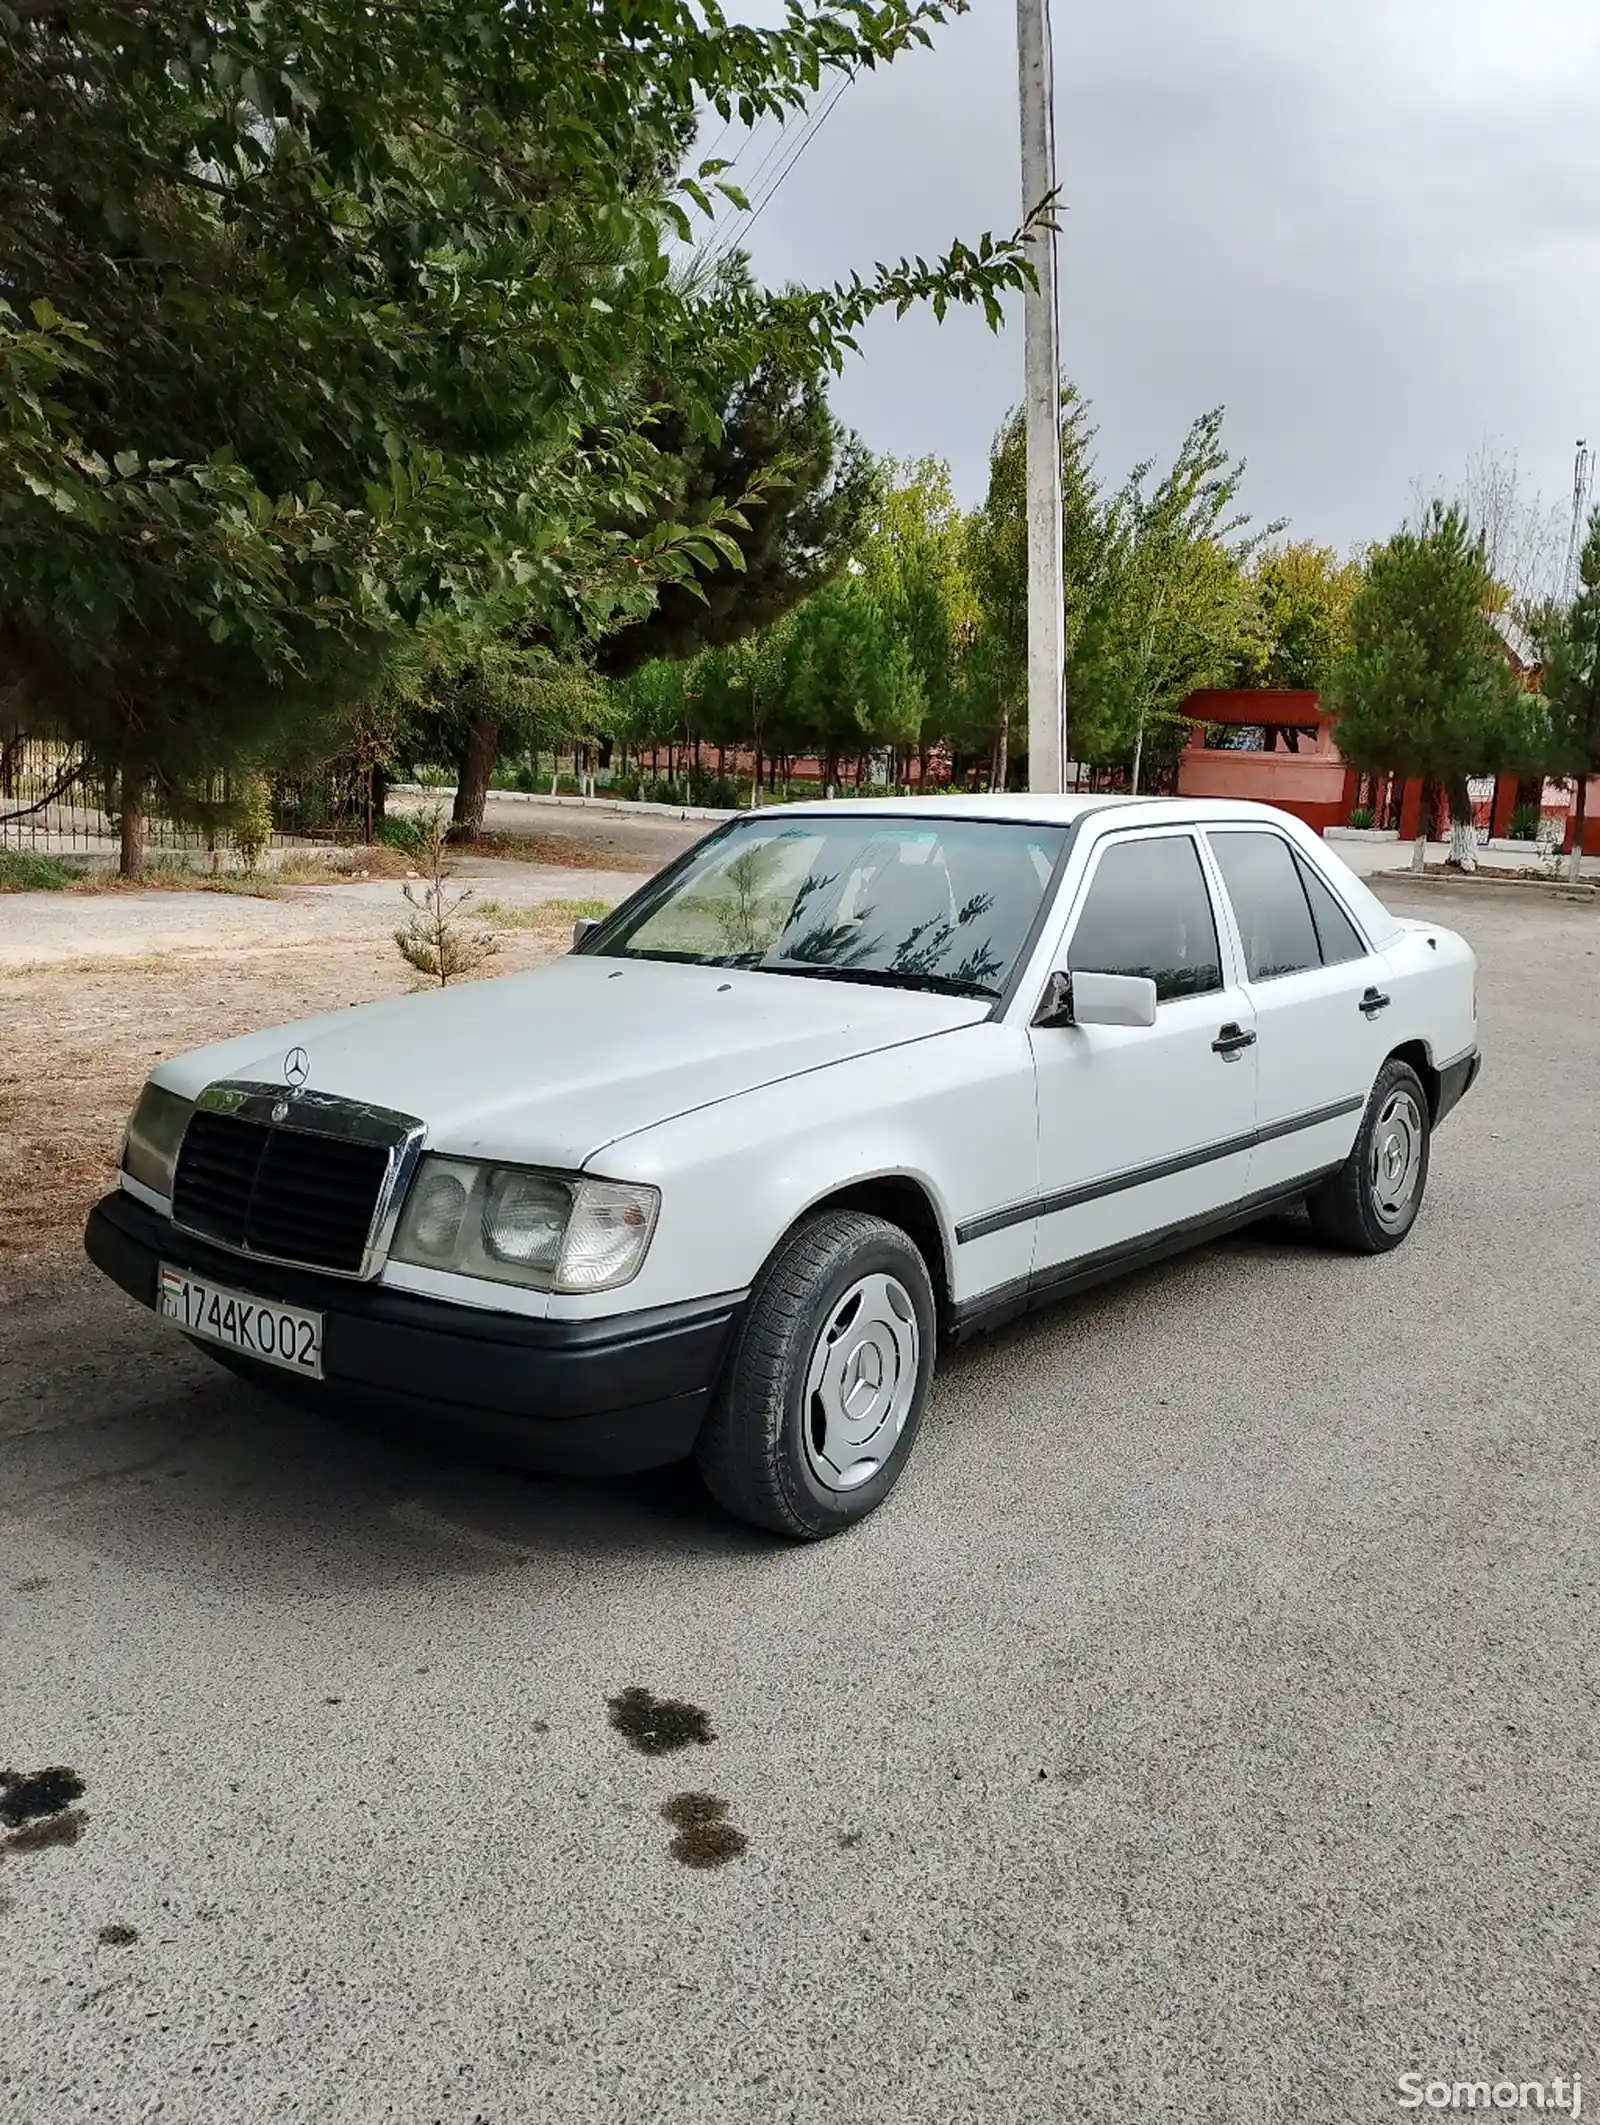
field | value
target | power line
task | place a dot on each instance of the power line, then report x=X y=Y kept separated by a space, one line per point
x=719 y=240
x=719 y=243
x=804 y=142
x=706 y=154
x=738 y=231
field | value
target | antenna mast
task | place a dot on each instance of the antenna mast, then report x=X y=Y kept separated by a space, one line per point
x=1582 y=484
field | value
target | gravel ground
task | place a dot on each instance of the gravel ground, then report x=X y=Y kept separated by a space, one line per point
x=637 y=841
x=44 y=930
x=1206 y=1730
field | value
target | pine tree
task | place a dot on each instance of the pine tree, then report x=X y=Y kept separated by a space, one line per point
x=432 y=940
x=1424 y=688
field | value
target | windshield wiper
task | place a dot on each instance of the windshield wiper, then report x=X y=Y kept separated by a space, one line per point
x=880 y=977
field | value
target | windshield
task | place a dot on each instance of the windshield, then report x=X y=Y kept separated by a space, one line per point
x=944 y=904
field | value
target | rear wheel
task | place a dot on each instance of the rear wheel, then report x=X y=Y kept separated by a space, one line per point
x=827 y=1382
x=1372 y=1202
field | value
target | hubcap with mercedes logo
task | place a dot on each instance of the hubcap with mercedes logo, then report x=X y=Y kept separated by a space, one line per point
x=861 y=1382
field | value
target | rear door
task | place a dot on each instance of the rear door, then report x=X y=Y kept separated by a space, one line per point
x=1318 y=997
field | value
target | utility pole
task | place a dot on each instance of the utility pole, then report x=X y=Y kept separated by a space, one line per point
x=1047 y=736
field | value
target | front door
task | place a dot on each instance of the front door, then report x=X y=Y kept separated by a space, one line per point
x=1144 y=1130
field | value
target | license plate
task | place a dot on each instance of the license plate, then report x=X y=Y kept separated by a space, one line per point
x=289 y=1336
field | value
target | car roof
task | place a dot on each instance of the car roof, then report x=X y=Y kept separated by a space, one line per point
x=1032 y=807
x=1024 y=807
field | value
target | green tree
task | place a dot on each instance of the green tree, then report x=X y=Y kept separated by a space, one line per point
x=1424 y=689
x=320 y=318
x=912 y=560
x=651 y=706
x=996 y=554
x=810 y=484
x=1303 y=596
x=1155 y=600
x=1181 y=604
x=1569 y=641
x=476 y=691
x=848 y=682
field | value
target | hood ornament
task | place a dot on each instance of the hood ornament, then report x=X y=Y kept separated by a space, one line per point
x=296 y=1069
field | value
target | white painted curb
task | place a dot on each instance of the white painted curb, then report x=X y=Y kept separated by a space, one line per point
x=592 y=804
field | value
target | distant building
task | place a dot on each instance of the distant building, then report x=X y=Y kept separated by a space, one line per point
x=1280 y=748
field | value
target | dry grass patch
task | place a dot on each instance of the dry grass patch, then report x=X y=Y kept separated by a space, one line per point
x=554 y=916
x=553 y=851
x=343 y=866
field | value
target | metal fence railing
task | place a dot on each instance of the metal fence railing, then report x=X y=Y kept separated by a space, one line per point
x=55 y=801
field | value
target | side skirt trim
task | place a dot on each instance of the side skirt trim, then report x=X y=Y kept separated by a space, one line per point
x=1064 y=1279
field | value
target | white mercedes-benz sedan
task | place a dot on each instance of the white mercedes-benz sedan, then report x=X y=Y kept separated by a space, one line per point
x=843 y=1082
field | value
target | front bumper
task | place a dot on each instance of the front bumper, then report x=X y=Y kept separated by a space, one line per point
x=600 y=1397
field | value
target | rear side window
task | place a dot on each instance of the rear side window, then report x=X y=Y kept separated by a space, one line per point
x=1274 y=916
x=1149 y=913
x=1336 y=933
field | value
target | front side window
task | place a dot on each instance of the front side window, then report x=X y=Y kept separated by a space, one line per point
x=1148 y=913
x=918 y=902
x=1269 y=903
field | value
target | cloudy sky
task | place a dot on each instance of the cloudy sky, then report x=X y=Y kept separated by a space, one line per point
x=1370 y=228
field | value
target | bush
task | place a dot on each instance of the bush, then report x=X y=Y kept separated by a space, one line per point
x=1362 y=818
x=252 y=819
x=21 y=871
x=404 y=831
x=1524 y=823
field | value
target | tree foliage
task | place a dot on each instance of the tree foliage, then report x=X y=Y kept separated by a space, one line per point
x=321 y=317
x=1303 y=594
x=1569 y=642
x=912 y=562
x=807 y=485
x=1424 y=688
x=1156 y=604
x=848 y=681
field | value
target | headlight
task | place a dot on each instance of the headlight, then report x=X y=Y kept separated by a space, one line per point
x=515 y=1225
x=155 y=1130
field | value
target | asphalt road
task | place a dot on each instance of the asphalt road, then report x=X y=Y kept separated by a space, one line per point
x=1207 y=1729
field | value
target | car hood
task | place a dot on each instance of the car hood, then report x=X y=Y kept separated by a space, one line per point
x=551 y=1066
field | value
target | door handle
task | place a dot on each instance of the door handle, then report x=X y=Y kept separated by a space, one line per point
x=1232 y=1041
x=1375 y=1001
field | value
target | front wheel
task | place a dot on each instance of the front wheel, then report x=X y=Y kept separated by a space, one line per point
x=1372 y=1202
x=827 y=1382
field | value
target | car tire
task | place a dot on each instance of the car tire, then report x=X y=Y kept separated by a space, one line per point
x=1372 y=1202
x=823 y=1393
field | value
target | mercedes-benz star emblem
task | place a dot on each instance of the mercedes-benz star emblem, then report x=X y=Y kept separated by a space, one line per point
x=296 y=1067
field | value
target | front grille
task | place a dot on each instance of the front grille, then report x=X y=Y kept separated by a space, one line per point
x=283 y=1192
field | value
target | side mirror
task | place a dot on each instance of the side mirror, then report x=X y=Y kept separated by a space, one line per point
x=1098 y=1000
x=582 y=927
